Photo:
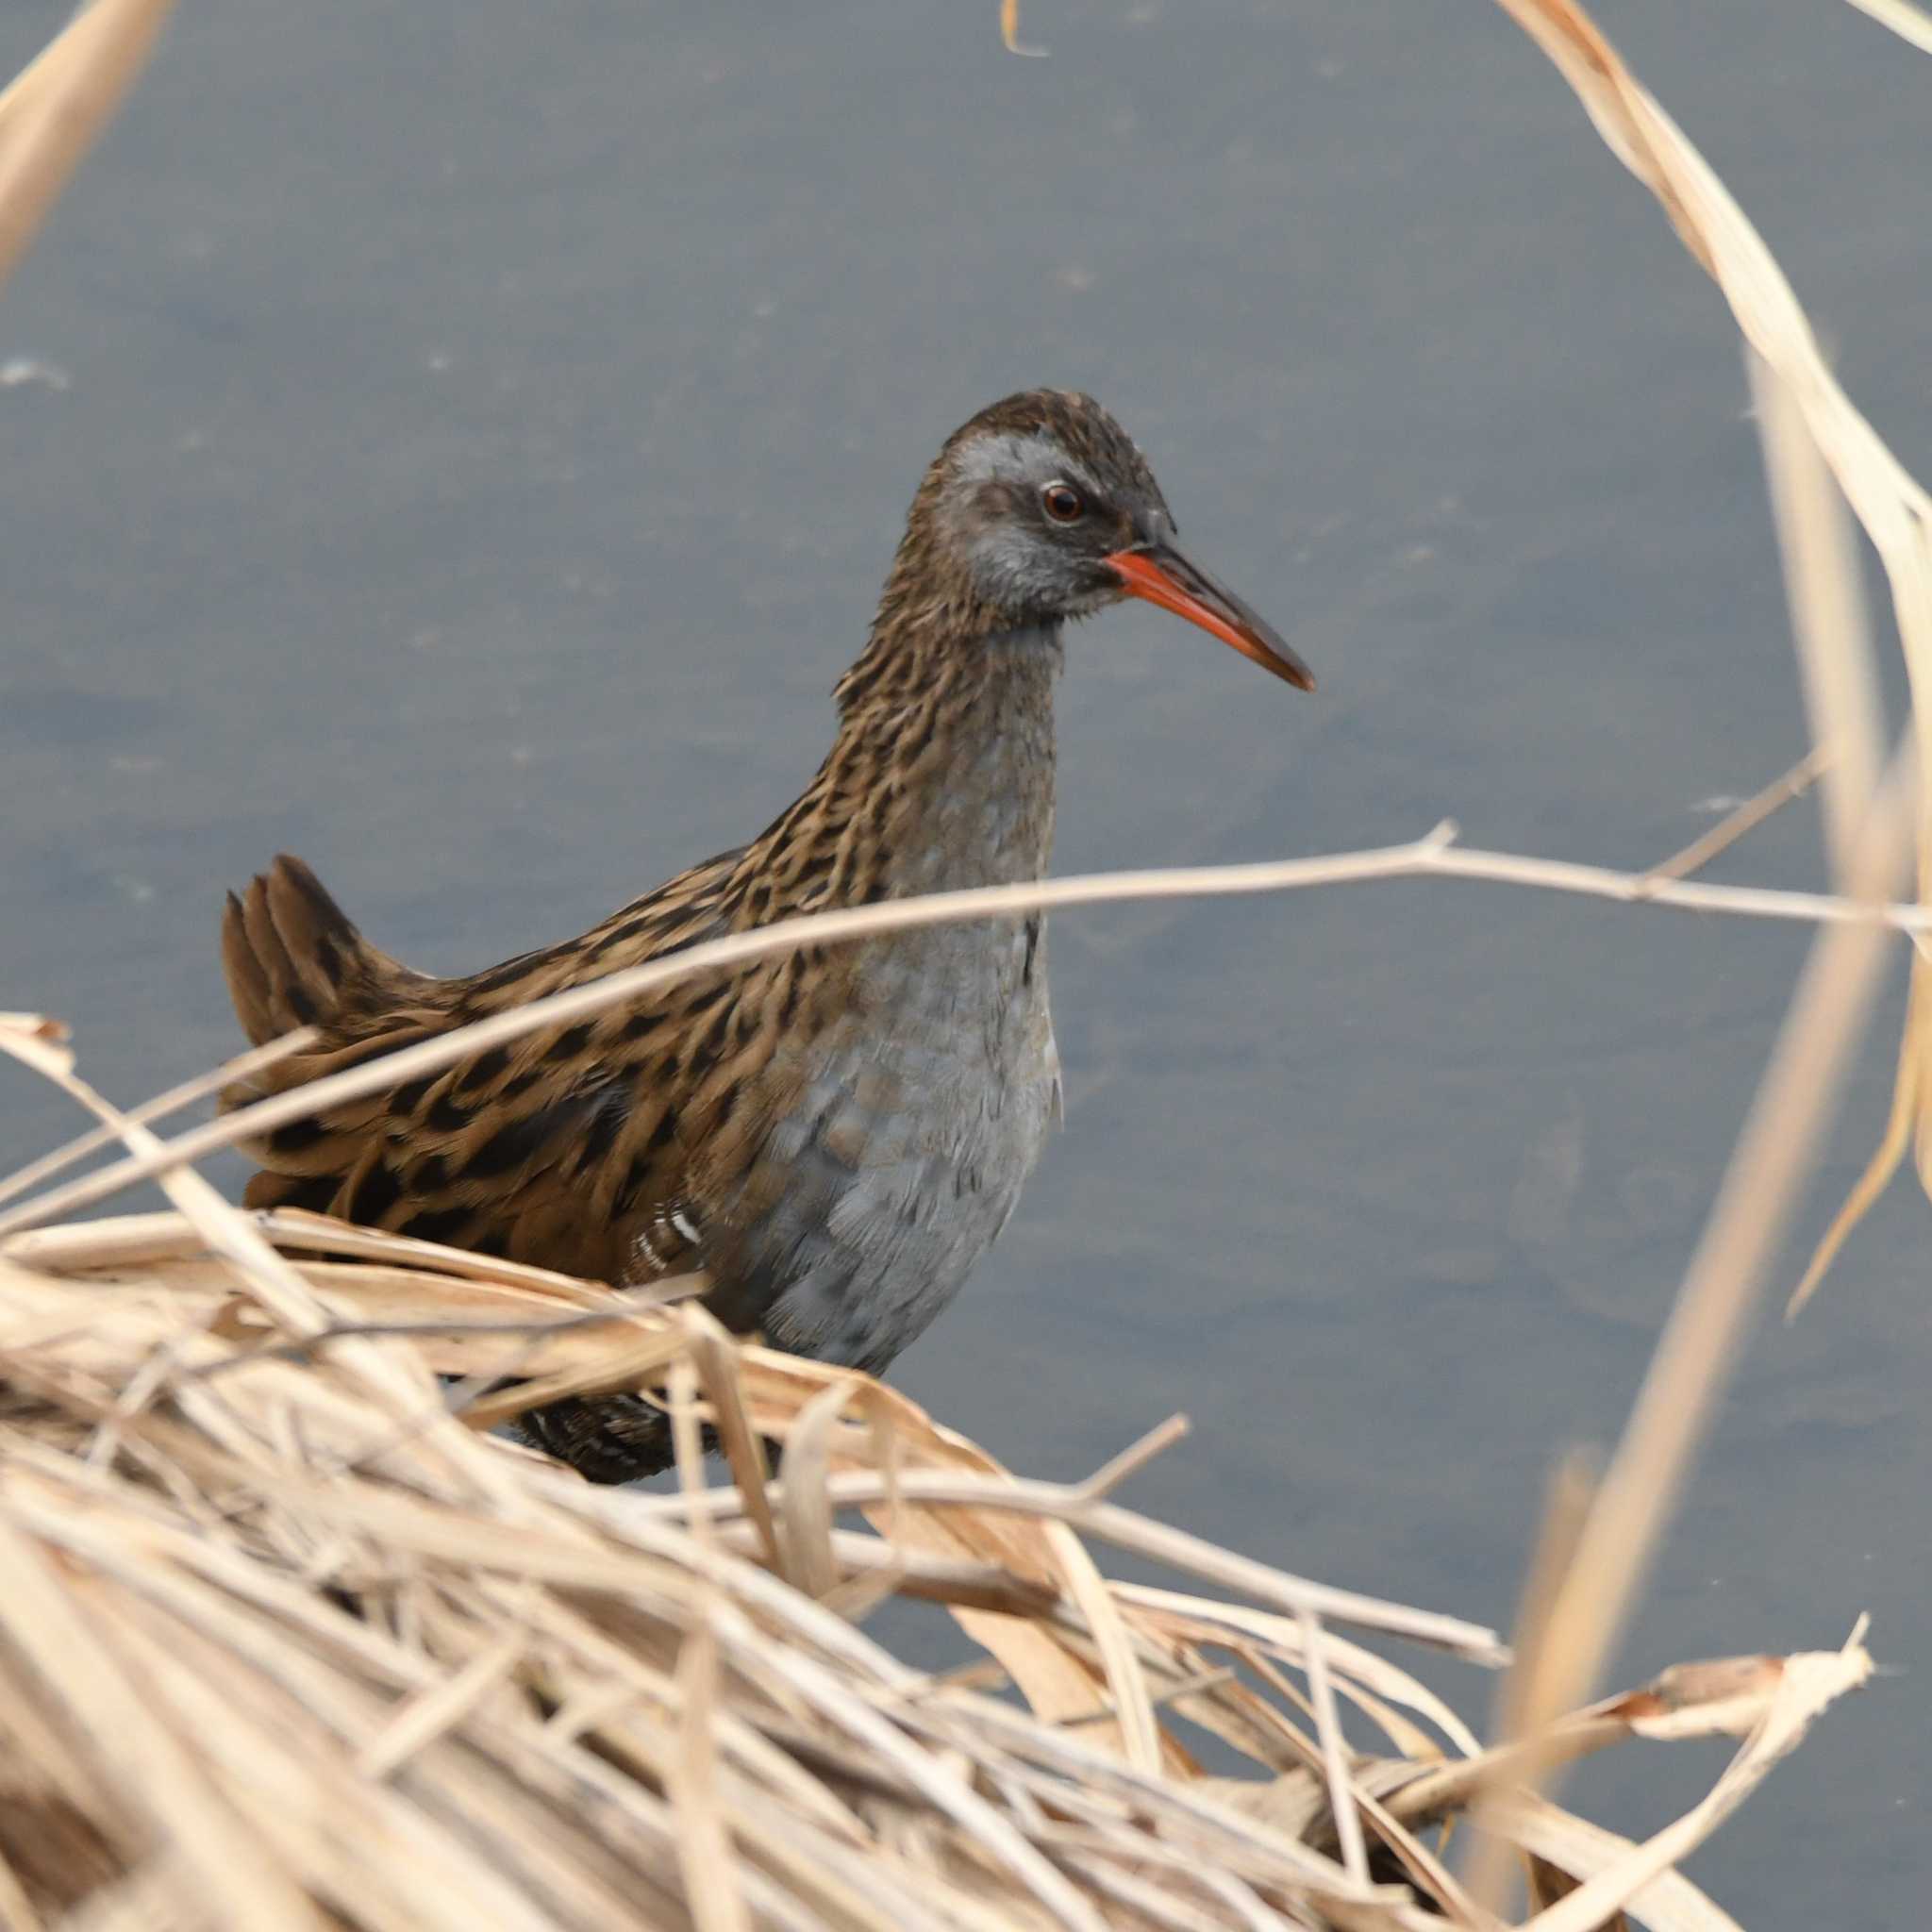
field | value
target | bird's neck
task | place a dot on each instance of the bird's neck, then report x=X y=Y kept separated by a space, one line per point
x=942 y=775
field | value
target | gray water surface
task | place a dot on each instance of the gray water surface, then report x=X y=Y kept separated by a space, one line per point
x=483 y=432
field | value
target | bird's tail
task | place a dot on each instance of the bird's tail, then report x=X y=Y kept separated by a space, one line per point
x=294 y=958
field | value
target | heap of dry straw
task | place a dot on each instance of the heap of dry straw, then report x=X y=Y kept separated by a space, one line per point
x=286 y=1640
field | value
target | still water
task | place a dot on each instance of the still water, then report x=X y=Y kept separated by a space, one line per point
x=462 y=445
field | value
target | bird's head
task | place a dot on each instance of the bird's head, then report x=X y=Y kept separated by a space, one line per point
x=1040 y=509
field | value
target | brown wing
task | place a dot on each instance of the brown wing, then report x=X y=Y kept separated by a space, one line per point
x=583 y=1147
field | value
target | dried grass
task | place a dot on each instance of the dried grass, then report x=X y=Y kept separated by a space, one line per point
x=1820 y=456
x=287 y=1641
x=1434 y=856
x=1808 y=418
x=53 y=111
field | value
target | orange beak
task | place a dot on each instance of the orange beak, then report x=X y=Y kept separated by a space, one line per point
x=1162 y=575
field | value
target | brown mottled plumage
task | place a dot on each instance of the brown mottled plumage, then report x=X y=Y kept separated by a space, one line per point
x=833 y=1136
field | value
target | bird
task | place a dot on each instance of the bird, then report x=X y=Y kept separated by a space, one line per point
x=835 y=1136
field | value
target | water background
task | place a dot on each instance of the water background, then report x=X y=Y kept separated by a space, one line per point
x=464 y=446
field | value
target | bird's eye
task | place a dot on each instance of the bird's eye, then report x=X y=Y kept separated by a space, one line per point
x=1063 y=503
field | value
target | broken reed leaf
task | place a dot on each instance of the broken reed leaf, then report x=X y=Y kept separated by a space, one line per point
x=1777 y=1698
x=1887 y=1157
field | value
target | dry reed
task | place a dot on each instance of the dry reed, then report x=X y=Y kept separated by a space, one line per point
x=55 y=109
x=1434 y=856
x=284 y=1616
x=1820 y=456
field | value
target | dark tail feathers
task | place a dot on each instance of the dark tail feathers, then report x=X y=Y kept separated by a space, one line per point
x=294 y=958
